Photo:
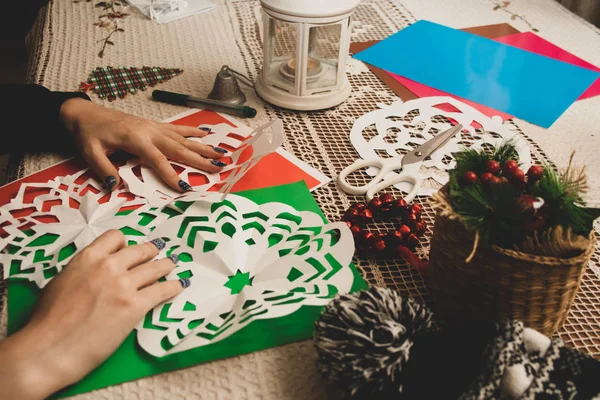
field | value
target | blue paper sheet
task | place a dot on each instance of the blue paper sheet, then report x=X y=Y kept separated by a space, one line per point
x=535 y=88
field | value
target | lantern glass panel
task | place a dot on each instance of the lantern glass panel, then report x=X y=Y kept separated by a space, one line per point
x=281 y=57
x=323 y=56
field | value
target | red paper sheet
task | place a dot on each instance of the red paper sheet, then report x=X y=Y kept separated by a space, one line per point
x=526 y=41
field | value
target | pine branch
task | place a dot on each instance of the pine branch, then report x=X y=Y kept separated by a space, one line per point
x=564 y=195
x=494 y=210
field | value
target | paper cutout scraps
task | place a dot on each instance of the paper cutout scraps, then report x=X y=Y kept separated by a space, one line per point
x=246 y=262
x=396 y=129
x=248 y=149
x=163 y=11
x=46 y=224
x=265 y=140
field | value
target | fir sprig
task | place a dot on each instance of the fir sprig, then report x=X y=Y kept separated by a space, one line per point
x=493 y=210
x=563 y=194
x=475 y=160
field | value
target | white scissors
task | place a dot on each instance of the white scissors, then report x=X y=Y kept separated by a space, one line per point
x=410 y=164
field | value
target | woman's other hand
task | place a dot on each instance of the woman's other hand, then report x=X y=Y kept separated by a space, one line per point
x=99 y=132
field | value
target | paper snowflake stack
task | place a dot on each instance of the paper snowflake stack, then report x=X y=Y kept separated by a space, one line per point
x=46 y=224
x=246 y=261
x=247 y=148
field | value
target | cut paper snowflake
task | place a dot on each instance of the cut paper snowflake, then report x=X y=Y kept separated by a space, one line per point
x=247 y=149
x=400 y=127
x=46 y=224
x=263 y=141
x=246 y=262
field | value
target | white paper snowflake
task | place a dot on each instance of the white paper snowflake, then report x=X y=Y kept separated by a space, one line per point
x=400 y=127
x=245 y=262
x=46 y=224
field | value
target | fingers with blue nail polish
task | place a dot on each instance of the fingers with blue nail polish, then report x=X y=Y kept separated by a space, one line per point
x=174 y=258
x=219 y=150
x=218 y=163
x=159 y=243
x=185 y=283
x=205 y=129
x=110 y=182
x=184 y=186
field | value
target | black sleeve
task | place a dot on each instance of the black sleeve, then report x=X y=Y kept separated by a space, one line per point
x=29 y=119
x=19 y=17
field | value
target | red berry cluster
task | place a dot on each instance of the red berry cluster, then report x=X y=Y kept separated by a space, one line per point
x=494 y=174
x=509 y=172
x=407 y=234
x=532 y=219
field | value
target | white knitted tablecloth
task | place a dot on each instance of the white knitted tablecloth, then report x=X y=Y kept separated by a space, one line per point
x=64 y=46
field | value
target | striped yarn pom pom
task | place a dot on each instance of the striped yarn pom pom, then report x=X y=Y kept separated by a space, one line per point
x=364 y=339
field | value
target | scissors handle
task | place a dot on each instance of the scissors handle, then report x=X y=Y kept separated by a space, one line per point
x=402 y=177
x=377 y=163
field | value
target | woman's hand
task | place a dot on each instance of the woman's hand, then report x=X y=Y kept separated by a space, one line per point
x=99 y=131
x=84 y=314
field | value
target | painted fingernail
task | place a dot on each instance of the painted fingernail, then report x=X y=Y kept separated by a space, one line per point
x=174 y=258
x=205 y=129
x=219 y=150
x=184 y=185
x=110 y=182
x=185 y=283
x=159 y=243
x=218 y=163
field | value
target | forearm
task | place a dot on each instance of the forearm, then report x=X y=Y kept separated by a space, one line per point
x=28 y=367
x=31 y=119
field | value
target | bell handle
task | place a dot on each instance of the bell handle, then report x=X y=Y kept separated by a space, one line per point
x=243 y=78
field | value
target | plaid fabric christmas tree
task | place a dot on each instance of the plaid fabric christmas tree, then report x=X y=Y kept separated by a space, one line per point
x=110 y=83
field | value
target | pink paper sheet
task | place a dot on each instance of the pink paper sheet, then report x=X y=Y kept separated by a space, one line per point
x=526 y=41
x=531 y=42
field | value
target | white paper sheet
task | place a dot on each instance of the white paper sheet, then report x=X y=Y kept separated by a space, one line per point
x=164 y=11
x=265 y=140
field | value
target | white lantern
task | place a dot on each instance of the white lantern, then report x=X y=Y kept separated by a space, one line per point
x=305 y=47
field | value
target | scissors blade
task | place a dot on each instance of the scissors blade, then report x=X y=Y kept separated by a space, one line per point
x=429 y=147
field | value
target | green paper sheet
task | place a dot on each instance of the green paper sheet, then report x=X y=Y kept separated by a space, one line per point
x=131 y=362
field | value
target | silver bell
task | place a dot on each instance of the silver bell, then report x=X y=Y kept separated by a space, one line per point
x=226 y=88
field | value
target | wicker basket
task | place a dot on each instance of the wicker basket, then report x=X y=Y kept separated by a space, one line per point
x=527 y=285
